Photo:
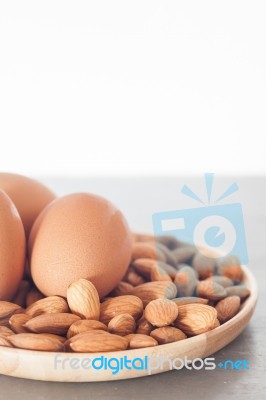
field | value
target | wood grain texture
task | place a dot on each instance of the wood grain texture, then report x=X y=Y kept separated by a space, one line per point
x=41 y=365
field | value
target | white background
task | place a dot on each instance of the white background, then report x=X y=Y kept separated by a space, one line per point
x=132 y=87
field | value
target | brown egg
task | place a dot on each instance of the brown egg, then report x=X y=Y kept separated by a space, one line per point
x=29 y=196
x=79 y=236
x=12 y=248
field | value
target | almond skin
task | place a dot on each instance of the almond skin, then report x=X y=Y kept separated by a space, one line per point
x=180 y=301
x=134 y=278
x=84 y=325
x=155 y=290
x=17 y=322
x=91 y=342
x=120 y=305
x=32 y=341
x=170 y=259
x=122 y=289
x=227 y=308
x=4 y=331
x=62 y=339
x=147 y=250
x=194 y=319
x=57 y=323
x=168 y=334
x=48 y=305
x=161 y=312
x=169 y=241
x=231 y=268
x=216 y=324
x=122 y=325
x=142 y=237
x=144 y=327
x=211 y=290
x=144 y=266
x=186 y=281
x=240 y=290
x=138 y=341
x=159 y=274
x=83 y=299
x=205 y=266
x=222 y=280
x=7 y=309
x=184 y=253
x=4 y=341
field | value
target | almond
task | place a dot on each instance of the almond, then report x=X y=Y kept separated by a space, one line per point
x=161 y=312
x=231 y=268
x=180 y=301
x=184 y=253
x=138 y=341
x=17 y=322
x=142 y=237
x=32 y=341
x=122 y=325
x=204 y=266
x=134 y=278
x=227 y=308
x=147 y=250
x=169 y=257
x=62 y=339
x=222 y=280
x=120 y=305
x=48 y=305
x=4 y=341
x=33 y=295
x=97 y=332
x=169 y=241
x=57 y=323
x=159 y=274
x=155 y=290
x=240 y=290
x=216 y=324
x=122 y=289
x=85 y=325
x=194 y=319
x=168 y=334
x=83 y=299
x=211 y=290
x=91 y=342
x=186 y=281
x=144 y=327
x=145 y=265
x=4 y=331
x=169 y=269
x=7 y=309
x=90 y=331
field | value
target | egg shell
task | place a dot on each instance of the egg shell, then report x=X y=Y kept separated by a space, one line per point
x=79 y=236
x=29 y=196
x=12 y=248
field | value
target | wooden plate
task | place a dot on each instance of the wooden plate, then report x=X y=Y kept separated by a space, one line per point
x=42 y=366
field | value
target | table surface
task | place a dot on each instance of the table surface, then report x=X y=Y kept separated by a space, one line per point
x=139 y=198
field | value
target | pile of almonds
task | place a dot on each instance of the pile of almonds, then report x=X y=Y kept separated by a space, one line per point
x=169 y=293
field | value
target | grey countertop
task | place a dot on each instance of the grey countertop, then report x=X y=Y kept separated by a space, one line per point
x=139 y=199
